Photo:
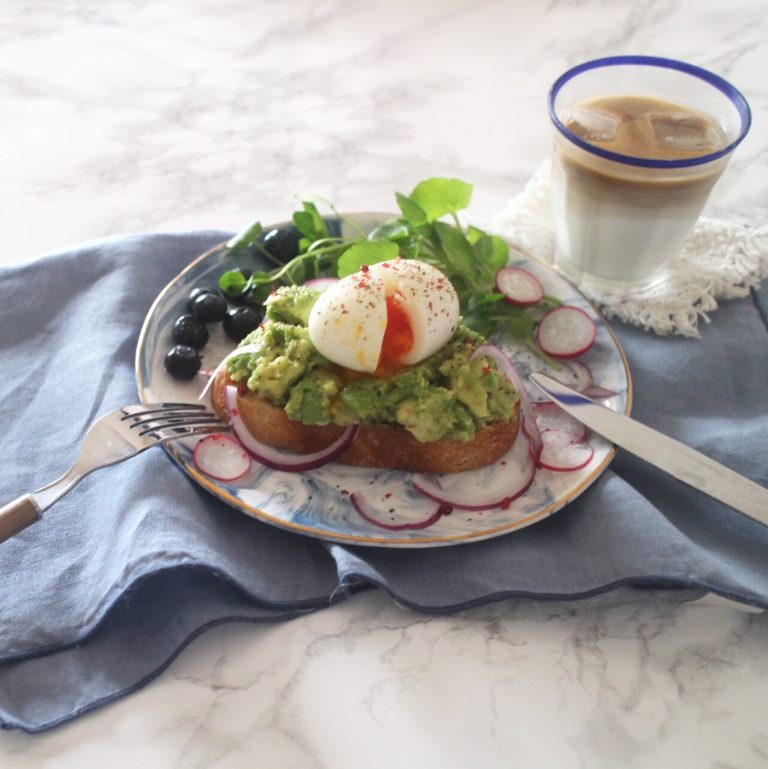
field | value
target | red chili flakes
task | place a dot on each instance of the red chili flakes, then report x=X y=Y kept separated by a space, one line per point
x=365 y=268
x=242 y=388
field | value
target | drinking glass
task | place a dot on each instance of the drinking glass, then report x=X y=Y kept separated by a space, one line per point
x=619 y=214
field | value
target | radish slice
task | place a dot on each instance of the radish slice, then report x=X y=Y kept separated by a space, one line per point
x=275 y=458
x=580 y=374
x=549 y=416
x=221 y=457
x=519 y=286
x=564 y=451
x=321 y=283
x=497 y=485
x=370 y=514
x=528 y=417
x=566 y=332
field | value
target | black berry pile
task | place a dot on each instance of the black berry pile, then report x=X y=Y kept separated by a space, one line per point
x=204 y=307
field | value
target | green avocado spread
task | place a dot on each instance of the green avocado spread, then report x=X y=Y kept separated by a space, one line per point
x=446 y=395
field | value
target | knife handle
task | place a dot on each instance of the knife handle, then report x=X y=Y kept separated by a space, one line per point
x=17 y=515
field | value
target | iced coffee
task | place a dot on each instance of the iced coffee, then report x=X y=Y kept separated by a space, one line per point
x=631 y=174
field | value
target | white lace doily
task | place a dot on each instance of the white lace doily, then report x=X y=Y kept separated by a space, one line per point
x=719 y=261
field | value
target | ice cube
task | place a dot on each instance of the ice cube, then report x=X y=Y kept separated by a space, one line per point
x=684 y=132
x=592 y=125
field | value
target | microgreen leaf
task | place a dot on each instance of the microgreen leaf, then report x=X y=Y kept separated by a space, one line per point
x=245 y=238
x=474 y=234
x=438 y=197
x=310 y=223
x=232 y=282
x=413 y=213
x=391 y=230
x=457 y=250
x=484 y=299
x=365 y=252
x=491 y=253
x=520 y=325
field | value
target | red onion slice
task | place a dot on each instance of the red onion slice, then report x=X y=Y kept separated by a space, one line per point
x=528 y=417
x=278 y=459
x=597 y=393
x=367 y=512
x=497 y=485
x=244 y=350
x=221 y=457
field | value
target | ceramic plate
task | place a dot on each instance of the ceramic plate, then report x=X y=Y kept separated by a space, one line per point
x=317 y=503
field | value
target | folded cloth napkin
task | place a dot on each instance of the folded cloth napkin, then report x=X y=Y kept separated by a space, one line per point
x=719 y=261
x=123 y=572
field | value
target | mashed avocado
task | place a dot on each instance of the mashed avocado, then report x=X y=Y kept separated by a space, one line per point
x=446 y=395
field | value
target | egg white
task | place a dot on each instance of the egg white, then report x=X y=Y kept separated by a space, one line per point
x=349 y=319
x=429 y=300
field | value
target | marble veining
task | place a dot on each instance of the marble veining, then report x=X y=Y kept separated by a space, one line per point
x=161 y=116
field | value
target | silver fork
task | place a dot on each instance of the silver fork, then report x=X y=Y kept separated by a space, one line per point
x=116 y=436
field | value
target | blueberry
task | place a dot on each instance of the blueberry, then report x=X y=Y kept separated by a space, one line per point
x=240 y=321
x=209 y=307
x=182 y=362
x=189 y=331
x=282 y=244
x=198 y=291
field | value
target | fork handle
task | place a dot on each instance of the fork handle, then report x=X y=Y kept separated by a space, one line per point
x=17 y=515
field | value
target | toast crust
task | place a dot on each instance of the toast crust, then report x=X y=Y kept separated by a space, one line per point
x=379 y=446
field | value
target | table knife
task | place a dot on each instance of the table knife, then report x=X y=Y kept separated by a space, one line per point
x=671 y=456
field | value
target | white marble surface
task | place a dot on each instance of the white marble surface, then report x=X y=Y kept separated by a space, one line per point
x=155 y=116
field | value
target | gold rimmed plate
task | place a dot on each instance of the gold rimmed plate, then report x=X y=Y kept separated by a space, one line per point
x=317 y=503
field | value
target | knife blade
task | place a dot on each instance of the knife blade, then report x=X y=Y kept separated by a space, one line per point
x=680 y=461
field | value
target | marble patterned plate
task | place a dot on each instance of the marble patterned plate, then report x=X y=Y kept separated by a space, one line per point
x=317 y=503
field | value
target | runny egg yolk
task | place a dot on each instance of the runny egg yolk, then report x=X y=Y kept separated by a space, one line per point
x=398 y=335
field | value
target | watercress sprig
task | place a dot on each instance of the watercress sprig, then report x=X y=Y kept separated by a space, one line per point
x=429 y=229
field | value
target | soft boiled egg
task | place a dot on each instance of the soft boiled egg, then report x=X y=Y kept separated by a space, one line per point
x=389 y=314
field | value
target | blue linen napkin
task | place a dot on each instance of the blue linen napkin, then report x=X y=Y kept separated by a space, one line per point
x=123 y=572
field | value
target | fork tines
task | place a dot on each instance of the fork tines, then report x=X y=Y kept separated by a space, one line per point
x=171 y=418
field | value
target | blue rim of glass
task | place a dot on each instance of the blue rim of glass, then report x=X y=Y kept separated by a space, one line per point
x=736 y=97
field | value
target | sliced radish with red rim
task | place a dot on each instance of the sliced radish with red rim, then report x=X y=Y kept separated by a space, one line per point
x=221 y=457
x=576 y=374
x=566 y=332
x=564 y=451
x=549 y=416
x=519 y=286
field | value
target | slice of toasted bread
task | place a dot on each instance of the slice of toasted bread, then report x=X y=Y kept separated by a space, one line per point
x=383 y=446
